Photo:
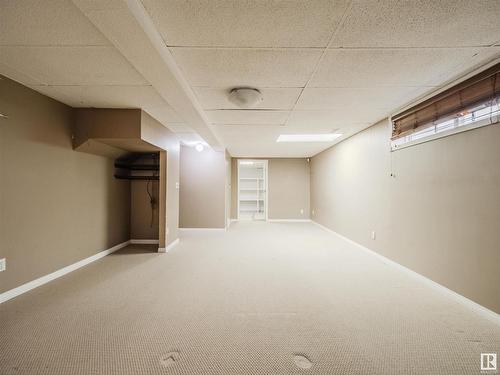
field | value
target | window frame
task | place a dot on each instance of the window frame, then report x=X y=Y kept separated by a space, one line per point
x=494 y=120
x=399 y=142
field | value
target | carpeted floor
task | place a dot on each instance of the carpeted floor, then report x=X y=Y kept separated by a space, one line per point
x=262 y=298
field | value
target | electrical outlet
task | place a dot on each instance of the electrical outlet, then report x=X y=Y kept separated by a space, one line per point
x=302 y=211
x=374 y=235
x=3 y=264
x=177 y=185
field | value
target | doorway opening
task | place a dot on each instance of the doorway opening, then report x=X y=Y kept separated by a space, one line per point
x=252 y=189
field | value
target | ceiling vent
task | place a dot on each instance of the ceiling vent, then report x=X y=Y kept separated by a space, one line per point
x=245 y=97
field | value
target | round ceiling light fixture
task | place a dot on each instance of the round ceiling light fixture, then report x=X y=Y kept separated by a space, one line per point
x=245 y=97
x=199 y=147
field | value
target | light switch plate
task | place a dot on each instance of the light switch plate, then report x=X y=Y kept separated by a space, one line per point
x=3 y=264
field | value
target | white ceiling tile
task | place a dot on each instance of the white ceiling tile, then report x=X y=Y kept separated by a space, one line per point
x=247 y=117
x=358 y=100
x=273 y=98
x=271 y=23
x=180 y=128
x=47 y=22
x=332 y=119
x=388 y=67
x=423 y=23
x=17 y=76
x=258 y=68
x=72 y=65
x=247 y=133
x=163 y=113
x=136 y=96
x=268 y=147
x=479 y=59
x=100 y=5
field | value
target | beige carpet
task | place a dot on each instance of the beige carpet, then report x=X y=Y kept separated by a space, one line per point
x=243 y=302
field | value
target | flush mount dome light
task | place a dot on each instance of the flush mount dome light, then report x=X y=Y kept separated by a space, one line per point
x=199 y=147
x=245 y=97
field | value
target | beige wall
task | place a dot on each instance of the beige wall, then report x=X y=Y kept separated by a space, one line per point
x=288 y=185
x=202 y=188
x=57 y=206
x=439 y=215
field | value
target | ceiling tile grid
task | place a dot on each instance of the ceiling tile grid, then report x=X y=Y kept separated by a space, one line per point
x=353 y=64
x=52 y=47
x=321 y=65
x=247 y=117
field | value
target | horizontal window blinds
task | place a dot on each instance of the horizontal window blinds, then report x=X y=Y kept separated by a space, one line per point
x=481 y=89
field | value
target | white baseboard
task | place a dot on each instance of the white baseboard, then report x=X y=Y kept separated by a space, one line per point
x=289 y=220
x=201 y=229
x=169 y=247
x=144 y=242
x=479 y=309
x=277 y=220
x=61 y=272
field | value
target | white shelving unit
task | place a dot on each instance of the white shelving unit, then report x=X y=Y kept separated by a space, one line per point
x=252 y=189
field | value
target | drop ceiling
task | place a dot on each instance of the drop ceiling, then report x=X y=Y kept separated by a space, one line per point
x=321 y=65
x=52 y=47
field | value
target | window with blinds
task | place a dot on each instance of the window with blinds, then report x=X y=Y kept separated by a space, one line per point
x=470 y=104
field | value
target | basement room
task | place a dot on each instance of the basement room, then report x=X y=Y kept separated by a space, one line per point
x=249 y=187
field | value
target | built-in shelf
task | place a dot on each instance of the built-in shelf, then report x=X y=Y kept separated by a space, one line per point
x=127 y=166
x=137 y=167
x=252 y=197
x=152 y=178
